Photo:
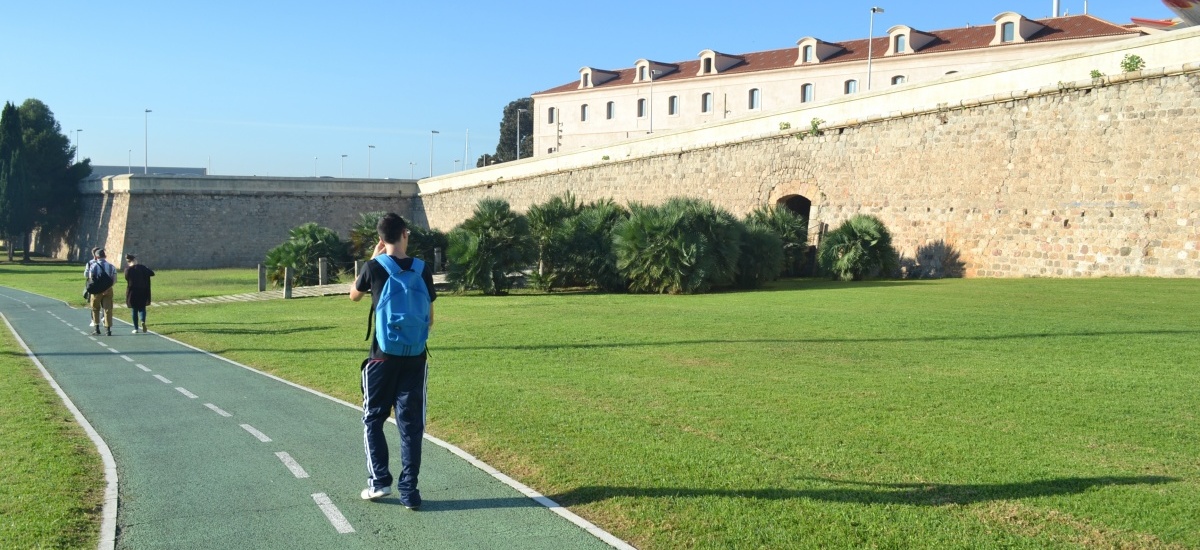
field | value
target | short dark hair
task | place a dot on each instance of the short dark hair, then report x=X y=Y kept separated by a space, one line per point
x=391 y=228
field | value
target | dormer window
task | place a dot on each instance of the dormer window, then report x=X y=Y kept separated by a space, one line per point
x=589 y=77
x=1014 y=28
x=649 y=71
x=905 y=40
x=815 y=51
x=712 y=62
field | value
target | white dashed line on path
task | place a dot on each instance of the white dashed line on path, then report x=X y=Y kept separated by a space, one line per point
x=143 y=367
x=127 y=358
x=217 y=410
x=261 y=436
x=292 y=464
x=335 y=517
x=113 y=350
x=162 y=379
x=185 y=392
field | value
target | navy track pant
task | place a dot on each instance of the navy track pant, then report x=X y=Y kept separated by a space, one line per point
x=394 y=383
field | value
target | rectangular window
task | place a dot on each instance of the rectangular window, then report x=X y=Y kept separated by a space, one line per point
x=583 y=113
x=707 y=65
x=550 y=115
x=611 y=111
x=1007 y=30
x=851 y=86
x=673 y=105
x=808 y=54
x=641 y=109
x=755 y=98
x=806 y=93
x=900 y=43
x=706 y=103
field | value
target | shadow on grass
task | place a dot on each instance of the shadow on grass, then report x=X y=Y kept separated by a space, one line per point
x=467 y=504
x=996 y=337
x=856 y=492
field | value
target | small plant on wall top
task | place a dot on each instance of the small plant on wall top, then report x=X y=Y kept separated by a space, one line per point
x=1097 y=74
x=785 y=126
x=815 y=127
x=1132 y=63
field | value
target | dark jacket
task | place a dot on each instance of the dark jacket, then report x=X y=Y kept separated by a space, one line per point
x=137 y=289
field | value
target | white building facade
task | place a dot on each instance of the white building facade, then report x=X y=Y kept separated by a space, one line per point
x=607 y=106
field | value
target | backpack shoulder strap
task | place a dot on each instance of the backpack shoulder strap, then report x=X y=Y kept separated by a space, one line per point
x=418 y=265
x=389 y=264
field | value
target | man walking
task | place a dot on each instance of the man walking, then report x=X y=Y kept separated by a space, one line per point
x=101 y=275
x=394 y=375
x=137 y=290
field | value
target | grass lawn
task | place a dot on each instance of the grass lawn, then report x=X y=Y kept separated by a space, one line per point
x=1026 y=413
x=51 y=477
x=65 y=281
x=959 y=413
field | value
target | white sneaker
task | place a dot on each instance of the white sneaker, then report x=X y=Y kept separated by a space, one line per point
x=91 y=323
x=372 y=493
x=135 y=331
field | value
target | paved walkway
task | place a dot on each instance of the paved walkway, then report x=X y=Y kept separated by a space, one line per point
x=213 y=454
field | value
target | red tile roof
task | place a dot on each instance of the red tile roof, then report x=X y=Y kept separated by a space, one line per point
x=964 y=38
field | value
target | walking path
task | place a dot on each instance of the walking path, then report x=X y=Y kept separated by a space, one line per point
x=212 y=454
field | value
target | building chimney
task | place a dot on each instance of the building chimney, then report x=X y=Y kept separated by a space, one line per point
x=1055 y=14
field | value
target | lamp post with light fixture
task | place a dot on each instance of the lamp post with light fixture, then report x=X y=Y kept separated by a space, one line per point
x=871 y=42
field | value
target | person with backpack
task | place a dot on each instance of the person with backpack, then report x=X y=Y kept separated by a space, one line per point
x=100 y=278
x=394 y=374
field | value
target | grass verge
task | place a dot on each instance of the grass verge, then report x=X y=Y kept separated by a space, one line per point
x=956 y=413
x=51 y=477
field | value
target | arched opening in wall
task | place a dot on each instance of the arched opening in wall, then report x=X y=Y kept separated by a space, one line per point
x=798 y=204
x=803 y=264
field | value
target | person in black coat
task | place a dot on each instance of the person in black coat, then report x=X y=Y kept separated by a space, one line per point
x=137 y=290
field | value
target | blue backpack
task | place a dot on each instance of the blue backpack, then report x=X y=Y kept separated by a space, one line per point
x=402 y=311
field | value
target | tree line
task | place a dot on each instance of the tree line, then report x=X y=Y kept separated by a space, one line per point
x=39 y=179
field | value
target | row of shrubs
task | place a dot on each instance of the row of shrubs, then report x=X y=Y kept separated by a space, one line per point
x=683 y=246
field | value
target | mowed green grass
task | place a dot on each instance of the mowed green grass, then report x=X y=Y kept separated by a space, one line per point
x=66 y=281
x=958 y=413
x=51 y=477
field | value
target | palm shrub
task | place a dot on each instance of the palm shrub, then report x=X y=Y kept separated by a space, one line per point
x=761 y=258
x=587 y=255
x=684 y=246
x=547 y=222
x=860 y=246
x=488 y=248
x=364 y=235
x=305 y=246
x=792 y=230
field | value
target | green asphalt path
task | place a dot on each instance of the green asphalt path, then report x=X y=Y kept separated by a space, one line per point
x=210 y=454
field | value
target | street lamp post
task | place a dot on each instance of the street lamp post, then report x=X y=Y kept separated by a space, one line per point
x=871 y=42
x=146 y=143
x=78 y=144
x=519 y=111
x=342 y=169
x=652 y=73
x=431 y=134
x=314 y=167
x=456 y=161
x=369 y=147
x=129 y=162
x=411 y=167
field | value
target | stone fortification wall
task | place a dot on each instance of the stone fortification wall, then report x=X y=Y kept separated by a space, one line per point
x=210 y=222
x=1081 y=179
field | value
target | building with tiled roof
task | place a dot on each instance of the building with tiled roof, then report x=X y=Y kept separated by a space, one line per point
x=606 y=106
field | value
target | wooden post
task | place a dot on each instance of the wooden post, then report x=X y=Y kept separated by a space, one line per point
x=358 y=265
x=262 y=277
x=287 y=282
x=437 y=260
x=323 y=271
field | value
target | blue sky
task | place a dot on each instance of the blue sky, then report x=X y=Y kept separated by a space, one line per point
x=263 y=88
